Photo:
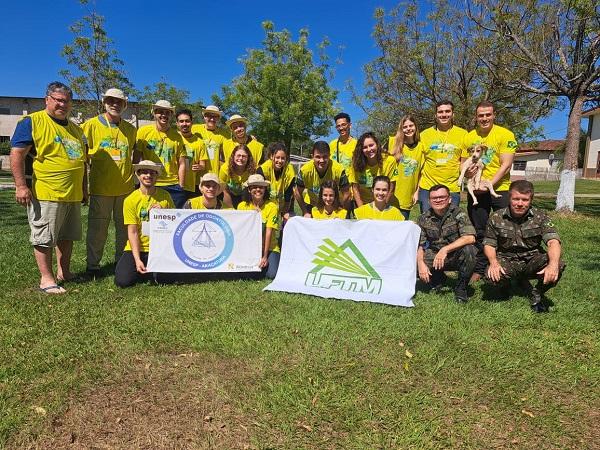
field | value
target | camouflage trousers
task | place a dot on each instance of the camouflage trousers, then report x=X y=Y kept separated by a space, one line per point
x=524 y=267
x=462 y=260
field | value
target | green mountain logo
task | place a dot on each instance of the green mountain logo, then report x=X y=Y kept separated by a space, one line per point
x=343 y=267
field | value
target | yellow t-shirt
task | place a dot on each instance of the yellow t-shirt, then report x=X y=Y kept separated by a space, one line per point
x=198 y=203
x=164 y=148
x=256 y=149
x=498 y=141
x=409 y=169
x=278 y=186
x=345 y=151
x=364 y=179
x=339 y=213
x=110 y=149
x=233 y=181
x=195 y=151
x=369 y=211
x=213 y=140
x=270 y=219
x=59 y=163
x=441 y=153
x=136 y=209
x=309 y=178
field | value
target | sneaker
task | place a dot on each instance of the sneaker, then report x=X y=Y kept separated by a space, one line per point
x=540 y=307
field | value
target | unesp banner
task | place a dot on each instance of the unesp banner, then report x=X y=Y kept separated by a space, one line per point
x=187 y=240
x=366 y=260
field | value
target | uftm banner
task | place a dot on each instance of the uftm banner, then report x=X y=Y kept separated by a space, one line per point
x=365 y=260
x=188 y=240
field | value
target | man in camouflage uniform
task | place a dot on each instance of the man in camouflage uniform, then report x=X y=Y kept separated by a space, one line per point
x=513 y=246
x=446 y=243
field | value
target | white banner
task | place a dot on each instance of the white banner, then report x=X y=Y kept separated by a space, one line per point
x=365 y=260
x=188 y=240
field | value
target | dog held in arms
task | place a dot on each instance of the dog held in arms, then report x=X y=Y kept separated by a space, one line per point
x=475 y=183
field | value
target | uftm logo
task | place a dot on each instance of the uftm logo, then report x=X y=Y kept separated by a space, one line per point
x=343 y=268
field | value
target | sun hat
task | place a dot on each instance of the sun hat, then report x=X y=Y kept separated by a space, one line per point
x=163 y=104
x=114 y=93
x=256 y=180
x=147 y=164
x=212 y=109
x=210 y=177
x=236 y=118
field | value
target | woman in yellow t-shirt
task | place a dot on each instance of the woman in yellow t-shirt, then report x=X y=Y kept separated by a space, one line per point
x=210 y=188
x=407 y=149
x=278 y=171
x=379 y=208
x=256 y=198
x=368 y=162
x=328 y=205
x=235 y=173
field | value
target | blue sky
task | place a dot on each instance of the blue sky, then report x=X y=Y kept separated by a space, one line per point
x=194 y=45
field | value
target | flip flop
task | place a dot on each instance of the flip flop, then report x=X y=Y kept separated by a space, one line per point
x=54 y=289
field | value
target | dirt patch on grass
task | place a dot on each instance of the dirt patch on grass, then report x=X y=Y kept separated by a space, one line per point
x=164 y=401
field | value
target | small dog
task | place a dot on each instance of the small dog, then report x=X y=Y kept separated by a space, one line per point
x=475 y=183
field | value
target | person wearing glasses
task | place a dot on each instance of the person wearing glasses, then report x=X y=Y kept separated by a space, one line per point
x=51 y=149
x=446 y=243
x=111 y=145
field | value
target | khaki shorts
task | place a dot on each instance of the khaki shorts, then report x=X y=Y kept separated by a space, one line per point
x=53 y=221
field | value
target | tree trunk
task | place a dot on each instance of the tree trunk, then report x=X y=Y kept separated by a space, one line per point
x=565 y=198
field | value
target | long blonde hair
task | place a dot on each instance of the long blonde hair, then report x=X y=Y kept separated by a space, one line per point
x=399 y=138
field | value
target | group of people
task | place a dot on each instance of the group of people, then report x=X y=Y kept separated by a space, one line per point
x=56 y=164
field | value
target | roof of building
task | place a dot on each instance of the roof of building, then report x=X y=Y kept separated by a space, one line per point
x=591 y=112
x=550 y=145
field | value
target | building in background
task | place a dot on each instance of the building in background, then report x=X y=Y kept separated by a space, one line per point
x=591 y=160
x=538 y=160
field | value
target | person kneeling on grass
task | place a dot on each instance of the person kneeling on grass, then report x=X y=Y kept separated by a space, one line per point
x=256 y=197
x=513 y=246
x=446 y=243
x=210 y=188
x=379 y=208
x=328 y=205
x=131 y=268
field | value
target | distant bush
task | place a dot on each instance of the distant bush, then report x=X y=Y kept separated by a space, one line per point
x=5 y=148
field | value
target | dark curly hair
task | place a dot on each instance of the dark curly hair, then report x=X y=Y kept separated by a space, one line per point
x=250 y=165
x=359 y=160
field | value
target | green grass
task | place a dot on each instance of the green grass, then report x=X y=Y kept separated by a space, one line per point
x=305 y=372
x=581 y=186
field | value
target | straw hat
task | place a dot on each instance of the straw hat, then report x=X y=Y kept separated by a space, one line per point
x=212 y=109
x=256 y=180
x=163 y=104
x=210 y=177
x=115 y=93
x=236 y=118
x=147 y=164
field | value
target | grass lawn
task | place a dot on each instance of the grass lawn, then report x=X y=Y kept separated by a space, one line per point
x=225 y=365
x=581 y=186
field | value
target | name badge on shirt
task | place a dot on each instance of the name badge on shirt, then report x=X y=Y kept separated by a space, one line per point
x=115 y=154
x=146 y=228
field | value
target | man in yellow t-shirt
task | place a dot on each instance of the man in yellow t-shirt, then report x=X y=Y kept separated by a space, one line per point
x=442 y=146
x=498 y=158
x=343 y=147
x=51 y=149
x=111 y=143
x=238 y=126
x=195 y=155
x=161 y=143
x=321 y=168
x=213 y=137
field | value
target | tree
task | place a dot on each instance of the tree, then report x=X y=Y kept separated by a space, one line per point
x=96 y=66
x=558 y=43
x=283 y=92
x=163 y=90
x=426 y=57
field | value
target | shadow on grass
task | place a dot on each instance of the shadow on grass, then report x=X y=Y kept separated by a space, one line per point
x=587 y=206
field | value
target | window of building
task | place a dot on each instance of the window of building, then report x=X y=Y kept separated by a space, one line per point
x=519 y=165
x=5 y=111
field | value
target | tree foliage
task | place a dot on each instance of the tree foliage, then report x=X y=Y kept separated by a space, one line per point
x=431 y=56
x=163 y=90
x=558 y=43
x=283 y=91
x=94 y=64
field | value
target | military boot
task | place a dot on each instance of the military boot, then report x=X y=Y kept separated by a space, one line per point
x=537 y=301
x=460 y=290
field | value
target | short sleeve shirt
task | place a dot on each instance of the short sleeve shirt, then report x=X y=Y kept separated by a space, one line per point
x=163 y=148
x=341 y=152
x=309 y=178
x=136 y=209
x=441 y=153
x=364 y=179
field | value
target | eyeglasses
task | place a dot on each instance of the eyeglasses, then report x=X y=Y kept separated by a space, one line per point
x=61 y=101
x=211 y=116
x=439 y=199
x=147 y=172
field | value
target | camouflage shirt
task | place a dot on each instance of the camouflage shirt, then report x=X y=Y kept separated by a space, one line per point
x=436 y=232
x=519 y=235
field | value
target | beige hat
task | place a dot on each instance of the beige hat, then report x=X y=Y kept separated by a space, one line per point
x=210 y=177
x=147 y=164
x=212 y=109
x=163 y=104
x=236 y=118
x=115 y=93
x=256 y=180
